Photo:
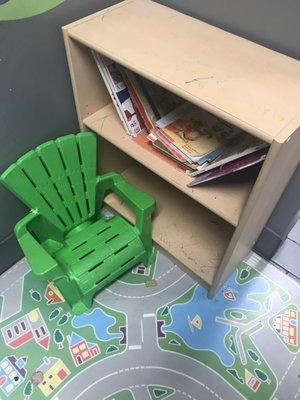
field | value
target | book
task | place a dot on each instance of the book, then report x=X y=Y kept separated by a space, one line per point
x=185 y=165
x=139 y=99
x=195 y=132
x=155 y=135
x=234 y=148
x=230 y=167
x=119 y=93
x=147 y=145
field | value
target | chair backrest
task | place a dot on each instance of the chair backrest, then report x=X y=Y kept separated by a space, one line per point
x=58 y=179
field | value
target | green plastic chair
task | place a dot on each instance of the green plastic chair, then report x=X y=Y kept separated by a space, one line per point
x=64 y=237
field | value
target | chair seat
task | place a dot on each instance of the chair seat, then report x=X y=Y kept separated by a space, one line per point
x=100 y=252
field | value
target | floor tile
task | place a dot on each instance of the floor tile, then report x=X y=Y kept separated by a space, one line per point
x=288 y=257
x=295 y=232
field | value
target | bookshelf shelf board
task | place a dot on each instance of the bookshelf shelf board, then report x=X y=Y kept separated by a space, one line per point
x=196 y=237
x=242 y=82
x=225 y=198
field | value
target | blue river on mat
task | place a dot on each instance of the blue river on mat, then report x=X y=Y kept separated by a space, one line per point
x=212 y=333
x=99 y=321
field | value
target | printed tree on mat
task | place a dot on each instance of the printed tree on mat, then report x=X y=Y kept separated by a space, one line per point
x=59 y=338
x=27 y=392
x=35 y=295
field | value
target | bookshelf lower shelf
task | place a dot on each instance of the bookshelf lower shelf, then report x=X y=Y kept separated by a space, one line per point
x=193 y=235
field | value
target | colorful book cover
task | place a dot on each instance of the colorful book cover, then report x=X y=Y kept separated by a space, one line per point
x=195 y=132
x=231 y=167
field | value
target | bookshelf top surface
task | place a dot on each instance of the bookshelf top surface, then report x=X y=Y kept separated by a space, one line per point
x=242 y=82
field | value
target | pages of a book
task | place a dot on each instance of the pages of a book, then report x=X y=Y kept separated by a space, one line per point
x=231 y=167
x=156 y=135
x=234 y=148
x=163 y=149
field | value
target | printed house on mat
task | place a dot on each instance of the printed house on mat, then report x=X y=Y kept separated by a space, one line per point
x=81 y=350
x=286 y=326
x=53 y=295
x=29 y=326
x=12 y=373
x=54 y=371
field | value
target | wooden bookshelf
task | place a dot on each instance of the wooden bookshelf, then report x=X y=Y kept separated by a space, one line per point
x=239 y=81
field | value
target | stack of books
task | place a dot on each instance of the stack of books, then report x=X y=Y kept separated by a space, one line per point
x=190 y=138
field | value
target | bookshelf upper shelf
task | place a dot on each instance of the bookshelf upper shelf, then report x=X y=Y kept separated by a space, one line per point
x=227 y=198
x=242 y=82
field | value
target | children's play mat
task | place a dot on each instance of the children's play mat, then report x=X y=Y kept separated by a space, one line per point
x=153 y=335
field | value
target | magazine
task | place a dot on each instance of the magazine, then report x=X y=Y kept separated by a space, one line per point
x=231 y=167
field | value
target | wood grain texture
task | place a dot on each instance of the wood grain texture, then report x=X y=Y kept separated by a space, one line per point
x=242 y=82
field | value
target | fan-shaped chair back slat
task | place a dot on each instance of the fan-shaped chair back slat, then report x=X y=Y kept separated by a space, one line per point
x=58 y=179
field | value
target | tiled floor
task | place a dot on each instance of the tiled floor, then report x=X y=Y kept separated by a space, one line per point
x=153 y=335
x=288 y=255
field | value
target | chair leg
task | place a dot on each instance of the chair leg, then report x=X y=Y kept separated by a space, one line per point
x=150 y=257
x=144 y=225
x=82 y=305
x=73 y=296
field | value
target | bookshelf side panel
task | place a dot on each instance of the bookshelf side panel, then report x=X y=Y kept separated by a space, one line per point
x=281 y=162
x=89 y=90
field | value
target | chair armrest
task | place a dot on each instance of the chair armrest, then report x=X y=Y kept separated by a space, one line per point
x=140 y=202
x=40 y=261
